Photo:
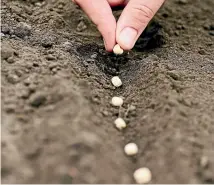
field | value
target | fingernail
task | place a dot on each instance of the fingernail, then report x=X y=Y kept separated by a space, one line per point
x=127 y=37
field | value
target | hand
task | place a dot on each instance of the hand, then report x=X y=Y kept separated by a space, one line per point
x=133 y=20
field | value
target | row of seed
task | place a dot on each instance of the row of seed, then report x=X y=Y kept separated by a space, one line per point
x=141 y=175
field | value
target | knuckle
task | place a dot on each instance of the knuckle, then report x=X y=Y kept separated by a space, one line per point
x=143 y=12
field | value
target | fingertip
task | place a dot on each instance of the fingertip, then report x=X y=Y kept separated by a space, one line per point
x=115 y=2
x=124 y=46
x=127 y=38
x=108 y=33
x=109 y=45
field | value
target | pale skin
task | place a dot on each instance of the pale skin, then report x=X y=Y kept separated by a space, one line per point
x=133 y=20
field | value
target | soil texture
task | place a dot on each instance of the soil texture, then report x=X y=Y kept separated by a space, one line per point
x=57 y=120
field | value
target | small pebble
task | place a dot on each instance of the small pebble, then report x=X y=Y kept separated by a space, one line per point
x=81 y=26
x=94 y=56
x=5 y=29
x=6 y=51
x=131 y=149
x=204 y=161
x=132 y=107
x=182 y=2
x=67 y=46
x=116 y=81
x=37 y=100
x=105 y=113
x=2 y=34
x=142 y=175
x=53 y=65
x=117 y=101
x=120 y=123
x=38 y=4
x=50 y=57
x=12 y=78
x=117 y=50
x=60 y=6
x=48 y=41
x=10 y=60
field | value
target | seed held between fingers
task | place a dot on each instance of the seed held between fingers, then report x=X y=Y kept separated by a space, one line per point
x=117 y=50
x=142 y=175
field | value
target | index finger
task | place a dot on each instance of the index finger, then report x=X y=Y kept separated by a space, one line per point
x=99 y=11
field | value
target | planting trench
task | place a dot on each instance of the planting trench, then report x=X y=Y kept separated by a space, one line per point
x=57 y=120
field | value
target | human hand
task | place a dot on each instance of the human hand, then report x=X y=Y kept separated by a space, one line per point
x=133 y=20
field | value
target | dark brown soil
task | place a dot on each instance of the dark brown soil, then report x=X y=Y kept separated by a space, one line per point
x=57 y=121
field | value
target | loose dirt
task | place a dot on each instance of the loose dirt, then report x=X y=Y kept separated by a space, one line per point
x=57 y=119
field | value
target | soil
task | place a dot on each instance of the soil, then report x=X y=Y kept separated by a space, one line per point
x=57 y=120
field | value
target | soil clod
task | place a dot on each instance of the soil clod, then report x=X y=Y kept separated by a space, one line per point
x=6 y=51
x=22 y=30
x=37 y=99
x=81 y=26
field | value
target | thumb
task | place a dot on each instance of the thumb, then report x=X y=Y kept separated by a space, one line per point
x=134 y=20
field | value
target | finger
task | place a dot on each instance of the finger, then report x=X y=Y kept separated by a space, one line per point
x=100 y=13
x=116 y=2
x=134 y=20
